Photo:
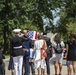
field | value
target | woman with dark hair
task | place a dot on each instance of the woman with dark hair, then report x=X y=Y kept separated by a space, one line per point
x=71 y=52
x=58 y=47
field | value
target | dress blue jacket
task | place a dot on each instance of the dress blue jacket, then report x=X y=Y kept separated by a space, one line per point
x=27 y=45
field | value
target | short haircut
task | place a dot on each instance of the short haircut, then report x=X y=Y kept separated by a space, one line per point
x=44 y=33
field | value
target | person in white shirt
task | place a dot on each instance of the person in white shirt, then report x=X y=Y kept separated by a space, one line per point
x=39 y=58
x=58 y=47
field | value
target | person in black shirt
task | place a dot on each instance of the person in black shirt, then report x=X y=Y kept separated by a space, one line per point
x=47 y=39
x=71 y=52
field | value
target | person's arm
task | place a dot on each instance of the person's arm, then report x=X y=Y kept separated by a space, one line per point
x=44 y=45
x=33 y=54
x=25 y=38
x=67 y=47
x=62 y=45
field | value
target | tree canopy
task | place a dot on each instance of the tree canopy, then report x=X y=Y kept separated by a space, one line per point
x=31 y=14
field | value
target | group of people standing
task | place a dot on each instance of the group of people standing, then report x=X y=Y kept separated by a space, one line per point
x=27 y=52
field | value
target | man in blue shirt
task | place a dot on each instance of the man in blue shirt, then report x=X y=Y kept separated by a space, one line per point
x=26 y=47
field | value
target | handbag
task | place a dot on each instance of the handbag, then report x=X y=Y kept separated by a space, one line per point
x=44 y=53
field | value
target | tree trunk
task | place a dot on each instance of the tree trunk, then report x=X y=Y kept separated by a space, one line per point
x=5 y=37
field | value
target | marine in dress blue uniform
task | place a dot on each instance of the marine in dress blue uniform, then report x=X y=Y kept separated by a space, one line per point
x=17 y=51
